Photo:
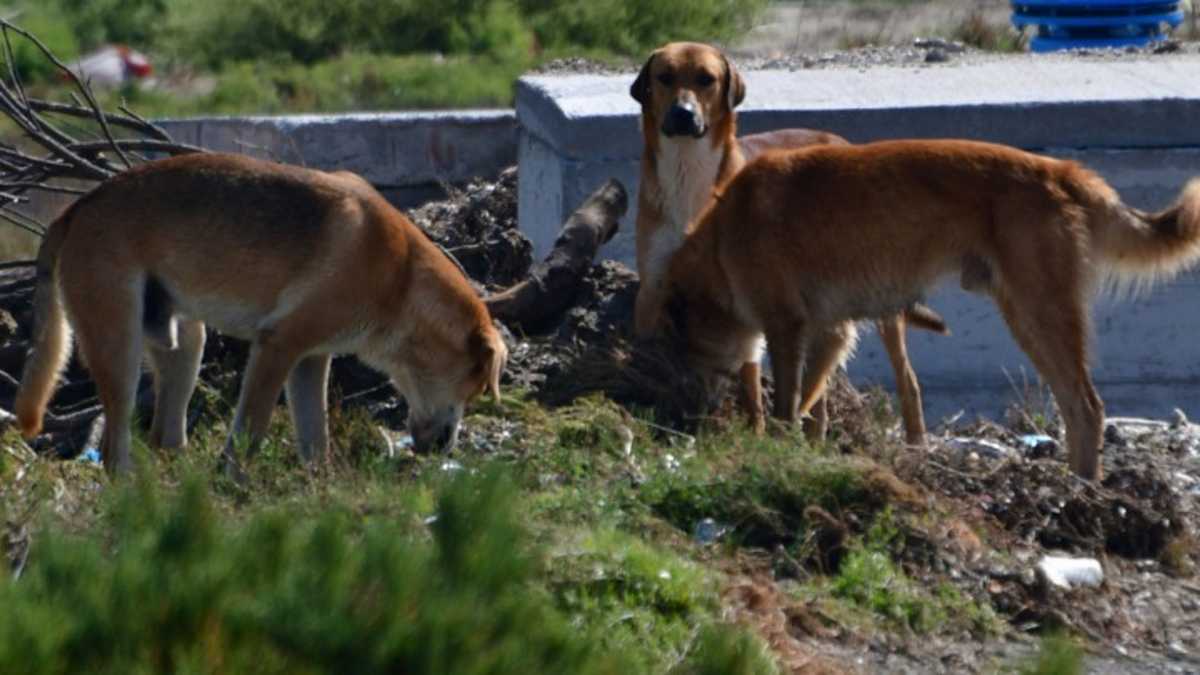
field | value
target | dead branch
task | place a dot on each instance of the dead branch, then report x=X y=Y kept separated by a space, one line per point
x=552 y=283
x=67 y=151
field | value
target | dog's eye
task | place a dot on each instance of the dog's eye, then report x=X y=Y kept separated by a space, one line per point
x=705 y=80
x=666 y=79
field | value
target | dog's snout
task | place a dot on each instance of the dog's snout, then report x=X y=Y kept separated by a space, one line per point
x=683 y=119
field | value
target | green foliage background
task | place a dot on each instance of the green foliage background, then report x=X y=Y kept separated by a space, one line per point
x=322 y=55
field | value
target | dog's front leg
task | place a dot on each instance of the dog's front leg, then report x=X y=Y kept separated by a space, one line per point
x=266 y=370
x=307 y=395
x=647 y=308
x=786 y=344
x=751 y=389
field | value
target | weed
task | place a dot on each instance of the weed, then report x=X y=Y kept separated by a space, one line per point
x=1058 y=655
x=975 y=31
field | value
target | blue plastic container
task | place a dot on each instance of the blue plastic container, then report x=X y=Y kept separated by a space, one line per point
x=1075 y=24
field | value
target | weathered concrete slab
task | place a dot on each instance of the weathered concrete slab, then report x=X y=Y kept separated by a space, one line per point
x=588 y=122
x=1133 y=121
x=406 y=155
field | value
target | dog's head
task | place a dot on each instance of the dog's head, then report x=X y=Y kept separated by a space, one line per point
x=440 y=380
x=711 y=340
x=686 y=89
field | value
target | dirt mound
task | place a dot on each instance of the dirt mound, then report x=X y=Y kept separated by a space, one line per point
x=478 y=226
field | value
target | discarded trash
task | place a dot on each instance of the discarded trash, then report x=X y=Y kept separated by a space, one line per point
x=112 y=66
x=626 y=435
x=451 y=466
x=430 y=520
x=1070 y=572
x=982 y=446
x=670 y=462
x=91 y=455
x=954 y=47
x=395 y=444
x=1038 y=446
x=708 y=530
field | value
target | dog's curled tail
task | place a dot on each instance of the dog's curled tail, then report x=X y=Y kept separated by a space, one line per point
x=51 y=335
x=1138 y=249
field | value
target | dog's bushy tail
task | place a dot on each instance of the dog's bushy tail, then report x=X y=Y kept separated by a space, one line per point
x=1137 y=249
x=51 y=344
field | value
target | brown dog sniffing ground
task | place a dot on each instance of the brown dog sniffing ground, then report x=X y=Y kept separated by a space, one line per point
x=689 y=93
x=301 y=263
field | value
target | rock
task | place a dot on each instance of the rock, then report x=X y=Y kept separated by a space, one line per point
x=936 y=56
x=8 y=326
x=1179 y=419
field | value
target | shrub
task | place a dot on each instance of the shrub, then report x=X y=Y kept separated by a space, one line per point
x=95 y=22
x=308 y=31
x=179 y=589
x=635 y=26
x=52 y=29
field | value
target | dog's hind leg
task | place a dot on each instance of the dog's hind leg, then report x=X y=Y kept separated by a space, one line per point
x=109 y=330
x=1053 y=331
x=175 y=374
x=891 y=332
x=827 y=351
x=307 y=395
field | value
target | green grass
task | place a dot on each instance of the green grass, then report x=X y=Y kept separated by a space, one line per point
x=552 y=550
x=1058 y=655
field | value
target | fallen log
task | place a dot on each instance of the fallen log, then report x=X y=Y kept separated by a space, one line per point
x=552 y=284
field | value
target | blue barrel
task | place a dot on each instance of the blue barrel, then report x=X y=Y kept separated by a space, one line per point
x=1075 y=24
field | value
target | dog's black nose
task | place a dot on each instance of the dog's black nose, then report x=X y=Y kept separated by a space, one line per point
x=683 y=119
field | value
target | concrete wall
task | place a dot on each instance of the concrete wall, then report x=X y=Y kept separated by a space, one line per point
x=408 y=156
x=1137 y=122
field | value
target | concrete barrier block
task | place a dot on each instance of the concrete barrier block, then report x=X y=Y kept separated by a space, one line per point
x=406 y=155
x=1132 y=120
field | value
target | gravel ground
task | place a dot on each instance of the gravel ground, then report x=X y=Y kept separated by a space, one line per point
x=922 y=52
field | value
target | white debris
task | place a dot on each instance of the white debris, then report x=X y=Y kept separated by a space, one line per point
x=1067 y=572
x=626 y=435
x=983 y=447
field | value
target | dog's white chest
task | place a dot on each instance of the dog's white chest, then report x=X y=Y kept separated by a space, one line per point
x=687 y=171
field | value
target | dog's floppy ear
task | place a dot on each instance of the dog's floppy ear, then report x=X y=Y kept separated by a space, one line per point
x=640 y=90
x=491 y=355
x=735 y=88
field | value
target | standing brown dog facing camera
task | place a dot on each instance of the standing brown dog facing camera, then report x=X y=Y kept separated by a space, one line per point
x=688 y=93
x=800 y=241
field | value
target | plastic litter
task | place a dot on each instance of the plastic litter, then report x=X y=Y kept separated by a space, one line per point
x=90 y=455
x=1067 y=572
x=626 y=435
x=708 y=530
x=1038 y=446
x=982 y=446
